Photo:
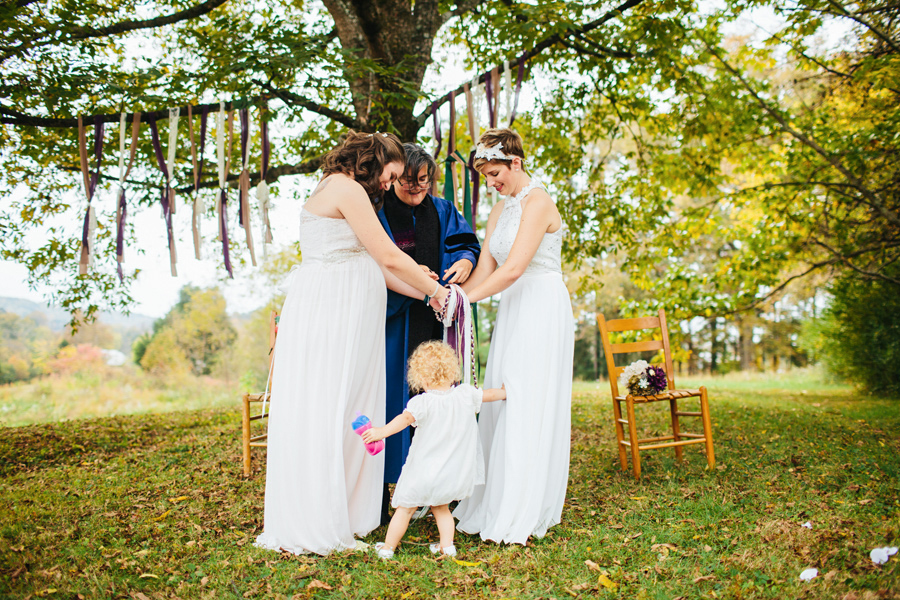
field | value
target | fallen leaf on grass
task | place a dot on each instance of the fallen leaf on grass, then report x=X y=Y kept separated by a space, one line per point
x=592 y=565
x=704 y=578
x=864 y=502
x=707 y=548
x=139 y=596
x=581 y=586
x=315 y=583
x=178 y=499
x=148 y=576
x=162 y=516
x=466 y=563
x=607 y=582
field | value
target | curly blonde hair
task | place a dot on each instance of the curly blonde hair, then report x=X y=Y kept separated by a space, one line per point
x=433 y=364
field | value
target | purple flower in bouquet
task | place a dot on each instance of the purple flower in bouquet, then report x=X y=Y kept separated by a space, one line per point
x=656 y=379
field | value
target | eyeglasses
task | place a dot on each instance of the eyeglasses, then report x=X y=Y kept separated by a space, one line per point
x=422 y=183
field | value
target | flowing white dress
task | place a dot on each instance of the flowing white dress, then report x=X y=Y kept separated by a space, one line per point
x=322 y=488
x=525 y=439
x=445 y=461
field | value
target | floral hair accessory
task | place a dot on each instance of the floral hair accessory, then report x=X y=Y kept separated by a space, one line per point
x=494 y=153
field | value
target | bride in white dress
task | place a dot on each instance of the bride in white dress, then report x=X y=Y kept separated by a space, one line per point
x=526 y=438
x=322 y=488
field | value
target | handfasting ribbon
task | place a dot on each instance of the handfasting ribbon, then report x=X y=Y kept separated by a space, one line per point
x=90 y=185
x=519 y=76
x=224 y=164
x=262 y=189
x=437 y=128
x=197 y=161
x=459 y=332
x=244 y=183
x=174 y=114
x=166 y=197
x=121 y=206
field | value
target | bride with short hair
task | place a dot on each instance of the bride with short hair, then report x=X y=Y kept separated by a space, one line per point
x=526 y=438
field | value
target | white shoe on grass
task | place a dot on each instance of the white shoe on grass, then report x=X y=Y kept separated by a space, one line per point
x=383 y=553
x=448 y=551
x=420 y=513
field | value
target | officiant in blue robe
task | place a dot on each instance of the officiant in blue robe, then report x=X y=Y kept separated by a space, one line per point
x=434 y=233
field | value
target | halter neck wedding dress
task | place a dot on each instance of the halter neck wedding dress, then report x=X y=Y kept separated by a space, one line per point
x=322 y=488
x=526 y=438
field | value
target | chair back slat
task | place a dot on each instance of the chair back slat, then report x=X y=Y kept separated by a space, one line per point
x=637 y=324
x=637 y=346
x=633 y=324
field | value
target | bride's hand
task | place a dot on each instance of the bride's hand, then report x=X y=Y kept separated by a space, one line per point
x=437 y=301
x=429 y=272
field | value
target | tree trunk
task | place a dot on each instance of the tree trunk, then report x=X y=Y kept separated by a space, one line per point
x=397 y=35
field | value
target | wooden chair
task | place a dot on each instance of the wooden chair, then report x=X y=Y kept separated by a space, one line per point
x=260 y=440
x=672 y=395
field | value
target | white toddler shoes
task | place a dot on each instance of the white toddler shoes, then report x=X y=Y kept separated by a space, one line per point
x=383 y=553
x=448 y=551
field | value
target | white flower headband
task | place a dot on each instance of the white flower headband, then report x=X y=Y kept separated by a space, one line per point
x=495 y=153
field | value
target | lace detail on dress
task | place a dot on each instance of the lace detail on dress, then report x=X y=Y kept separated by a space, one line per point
x=548 y=255
x=328 y=240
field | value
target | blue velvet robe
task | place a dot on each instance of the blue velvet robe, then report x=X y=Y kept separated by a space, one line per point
x=457 y=242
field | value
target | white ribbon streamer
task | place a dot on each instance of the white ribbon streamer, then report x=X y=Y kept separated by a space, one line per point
x=507 y=73
x=174 y=114
x=464 y=332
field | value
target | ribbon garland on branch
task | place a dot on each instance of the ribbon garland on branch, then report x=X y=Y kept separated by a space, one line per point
x=224 y=166
x=167 y=197
x=262 y=189
x=244 y=183
x=90 y=185
x=197 y=162
x=121 y=206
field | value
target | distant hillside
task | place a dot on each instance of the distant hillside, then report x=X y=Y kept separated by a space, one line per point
x=58 y=318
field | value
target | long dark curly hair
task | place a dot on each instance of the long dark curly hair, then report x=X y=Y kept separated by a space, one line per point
x=363 y=156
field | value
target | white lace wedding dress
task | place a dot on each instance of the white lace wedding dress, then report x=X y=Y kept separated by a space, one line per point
x=322 y=488
x=526 y=438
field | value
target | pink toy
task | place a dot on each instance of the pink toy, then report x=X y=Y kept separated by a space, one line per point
x=362 y=424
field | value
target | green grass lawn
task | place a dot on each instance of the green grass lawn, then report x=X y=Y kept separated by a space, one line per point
x=153 y=506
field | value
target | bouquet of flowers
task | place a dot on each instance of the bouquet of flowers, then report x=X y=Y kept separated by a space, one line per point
x=641 y=378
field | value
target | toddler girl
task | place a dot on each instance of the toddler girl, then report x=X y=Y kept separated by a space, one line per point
x=445 y=461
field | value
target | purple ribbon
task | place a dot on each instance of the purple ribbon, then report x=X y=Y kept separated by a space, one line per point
x=224 y=224
x=519 y=76
x=476 y=185
x=95 y=177
x=245 y=132
x=437 y=128
x=489 y=94
x=264 y=135
x=204 y=111
x=120 y=234
x=164 y=199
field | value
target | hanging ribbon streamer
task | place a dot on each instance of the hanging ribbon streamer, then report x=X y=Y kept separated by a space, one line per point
x=507 y=88
x=121 y=206
x=476 y=176
x=459 y=332
x=224 y=165
x=437 y=128
x=174 y=114
x=262 y=190
x=495 y=83
x=166 y=197
x=519 y=76
x=244 y=183
x=489 y=94
x=197 y=162
x=90 y=185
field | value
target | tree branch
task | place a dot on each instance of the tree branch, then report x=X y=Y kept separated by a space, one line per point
x=304 y=168
x=809 y=142
x=296 y=99
x=81 y=33
x=845 y=259
x=540 y=47
x=12 y=117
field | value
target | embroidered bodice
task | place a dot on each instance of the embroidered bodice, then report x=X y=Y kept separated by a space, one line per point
x=323 y=239
x=547 y=258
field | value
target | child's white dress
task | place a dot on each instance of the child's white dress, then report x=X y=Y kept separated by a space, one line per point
x=445 y=460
